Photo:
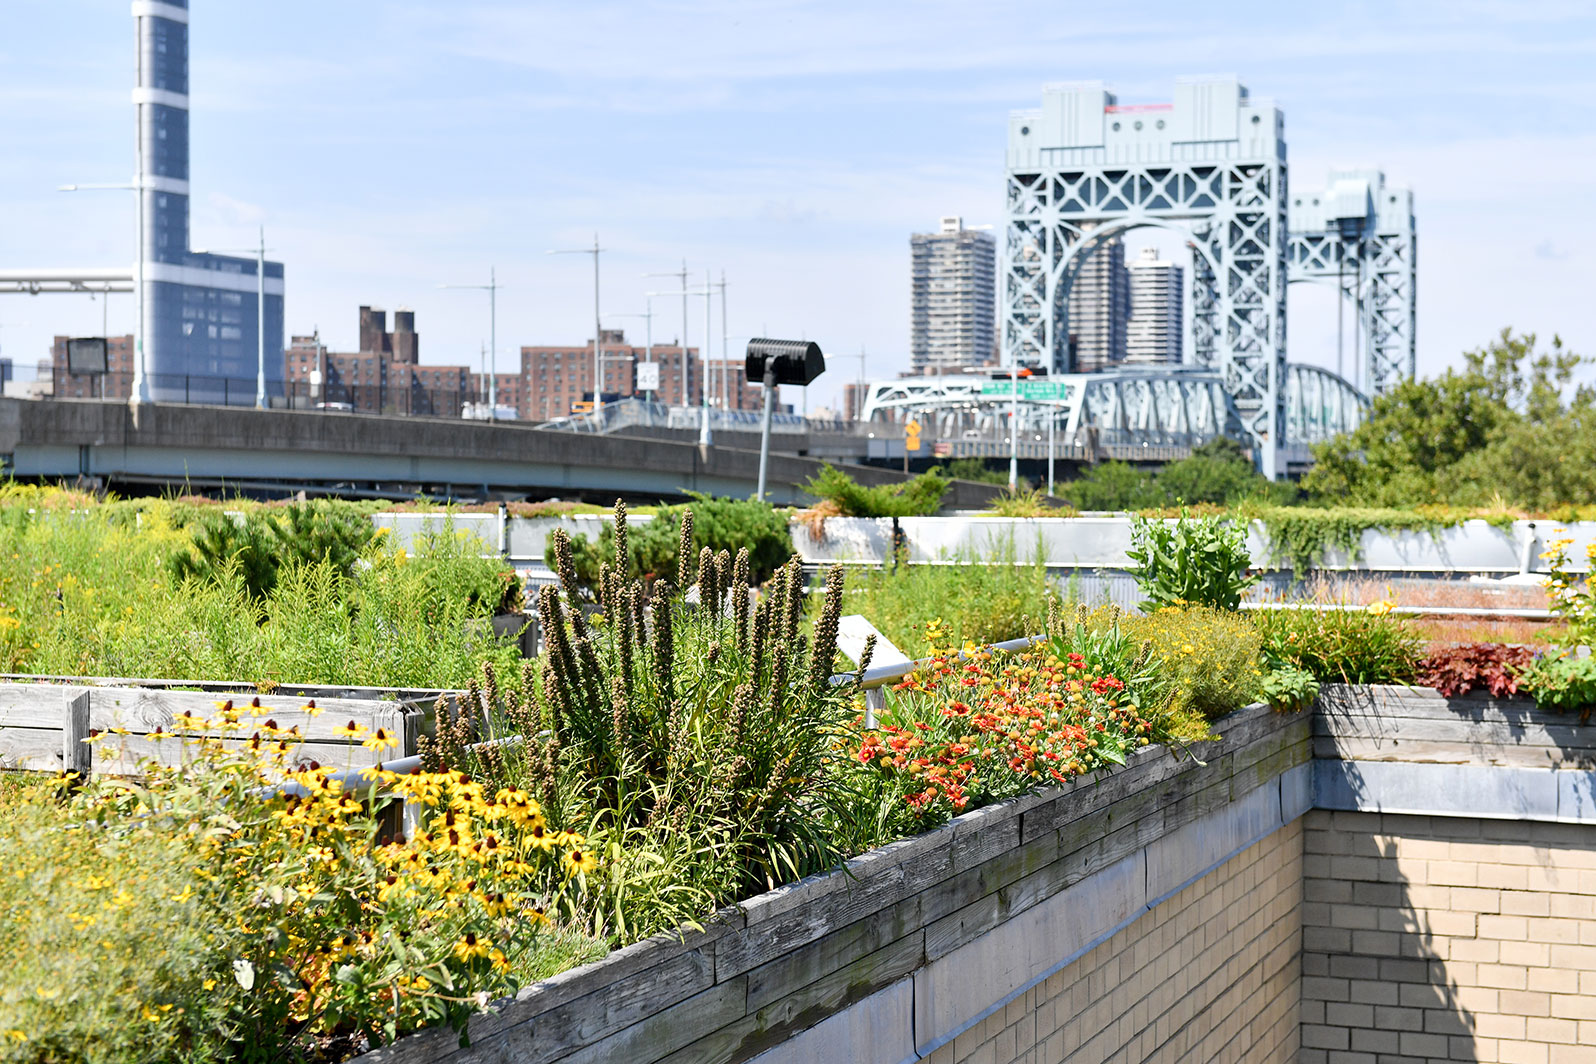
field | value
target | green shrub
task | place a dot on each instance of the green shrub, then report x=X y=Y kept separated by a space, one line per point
x=1197 y=561
x=1343 y=646
x=1561 y=683
x=255 y=546
x=920 y=497
x=653 y=547
x=1211 y=660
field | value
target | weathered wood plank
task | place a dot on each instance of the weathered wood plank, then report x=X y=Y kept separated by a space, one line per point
x=1360 y=748
x=805 y=1006
x=77 y=754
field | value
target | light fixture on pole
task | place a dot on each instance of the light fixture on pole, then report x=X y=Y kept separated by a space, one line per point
x=598 y=331
x=725 y=357
x=773 y=363
x=140 y=391
x=704 y=436
x=492 y=288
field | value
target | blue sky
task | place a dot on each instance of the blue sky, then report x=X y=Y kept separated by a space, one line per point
x=391 y=147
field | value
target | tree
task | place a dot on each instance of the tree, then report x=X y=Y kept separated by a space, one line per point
x=1510 y=427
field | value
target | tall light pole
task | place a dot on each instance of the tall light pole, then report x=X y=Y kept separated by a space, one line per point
x=725 y=357
x=492 y=288
x=139 y=393
x=598 y=330
x=260 y=310
x=705 y=436
x=681 y=274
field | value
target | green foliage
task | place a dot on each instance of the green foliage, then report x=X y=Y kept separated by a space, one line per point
x=1510 y=427
x=653 y=547
x=1210 y=661
x=974 y=597
x=257 y=545
x=974 y=469
x=1287 y=688
x=688 y=740
x=86 y=592
x=1300 y=536
x=1216 y=473
x=1342 y=646
x=1198 y=561
x=1024 y=503
x=920 y=497
x=1562 y=682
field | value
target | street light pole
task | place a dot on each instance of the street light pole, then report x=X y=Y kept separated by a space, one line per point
x=260 y=322
x=139 y=393
x=725 y=357
x=492 y=288
x=598 y=330
x=705 y=438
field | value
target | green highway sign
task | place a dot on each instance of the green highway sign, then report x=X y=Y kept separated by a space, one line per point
x=1028 y=389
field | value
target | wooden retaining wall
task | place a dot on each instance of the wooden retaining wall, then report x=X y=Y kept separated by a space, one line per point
x=43 y=725
x=910 y=946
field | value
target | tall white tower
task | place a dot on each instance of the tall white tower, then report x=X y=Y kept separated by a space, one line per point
x=952 y=308
x=1155 y=331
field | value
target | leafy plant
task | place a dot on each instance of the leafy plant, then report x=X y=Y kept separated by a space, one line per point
x=1287 y=688
x=1458 y=668
x=1570 y=596
x=1342 y=645
x=1198 y=561
x=204 y=913
x=1562 y=683
x=653 y=548
x=1300 y=537
x=1024 y=503
x=920 y=497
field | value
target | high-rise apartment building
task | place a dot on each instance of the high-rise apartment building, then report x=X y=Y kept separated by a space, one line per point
x=384 y=376
x=201 y=325
x=953 y=312
x=555 y=379
x=1099 y=305
x=1155 y=331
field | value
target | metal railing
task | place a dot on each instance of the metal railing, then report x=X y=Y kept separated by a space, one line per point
x=193 y=389
x=640 y=413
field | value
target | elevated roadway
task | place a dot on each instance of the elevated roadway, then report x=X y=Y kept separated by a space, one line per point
x=169 y=447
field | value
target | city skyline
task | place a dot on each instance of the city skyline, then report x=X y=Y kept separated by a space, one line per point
x=370 y=158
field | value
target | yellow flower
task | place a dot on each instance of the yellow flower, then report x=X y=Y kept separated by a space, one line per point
x=470 y=947
x=1381 y=608
x=351 y=730
x=580 y=861
x=380 y=741
x=312 y=709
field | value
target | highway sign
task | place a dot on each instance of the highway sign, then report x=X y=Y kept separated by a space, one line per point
x=1029 y=389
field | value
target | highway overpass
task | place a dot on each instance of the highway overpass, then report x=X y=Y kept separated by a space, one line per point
x=157 y=447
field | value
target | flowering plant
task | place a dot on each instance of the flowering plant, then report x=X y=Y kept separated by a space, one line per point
x=967 y=729
x=317 y=935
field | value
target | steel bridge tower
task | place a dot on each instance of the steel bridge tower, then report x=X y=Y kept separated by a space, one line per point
x=1358 y=234
x=1211 y=166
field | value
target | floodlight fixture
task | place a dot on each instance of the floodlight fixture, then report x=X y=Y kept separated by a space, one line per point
x=777 y=362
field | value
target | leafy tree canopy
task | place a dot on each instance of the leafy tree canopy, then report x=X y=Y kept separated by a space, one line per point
x=1510 y=428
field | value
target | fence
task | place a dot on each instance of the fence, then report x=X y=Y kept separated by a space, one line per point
x=203 y=390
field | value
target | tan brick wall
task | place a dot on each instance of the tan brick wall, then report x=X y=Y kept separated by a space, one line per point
x=1210 y=974
x=1440 y=938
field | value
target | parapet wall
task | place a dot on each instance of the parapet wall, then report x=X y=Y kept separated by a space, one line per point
x=1085 y=919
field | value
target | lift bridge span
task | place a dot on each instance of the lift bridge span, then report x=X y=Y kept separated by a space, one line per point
x=1156 y=412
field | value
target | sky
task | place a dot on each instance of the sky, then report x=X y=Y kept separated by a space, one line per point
x=388 y=148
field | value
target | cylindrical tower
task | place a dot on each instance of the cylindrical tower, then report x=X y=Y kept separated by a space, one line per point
x=160 y=101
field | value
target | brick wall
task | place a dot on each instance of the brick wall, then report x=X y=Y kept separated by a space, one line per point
x=1442 y=938
x=1208 y=974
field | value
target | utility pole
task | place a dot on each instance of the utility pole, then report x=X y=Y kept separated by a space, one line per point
x=725 y=358
x=492 y=288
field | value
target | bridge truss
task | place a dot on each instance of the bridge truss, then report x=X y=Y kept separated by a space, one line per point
x=1212 y=166
x=1169 y=405
x=1358 y=233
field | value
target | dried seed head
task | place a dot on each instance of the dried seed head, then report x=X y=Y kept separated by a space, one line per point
x=684 y=552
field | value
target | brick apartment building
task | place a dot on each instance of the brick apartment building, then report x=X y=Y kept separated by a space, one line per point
x=385 y=375
x=554 y=379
